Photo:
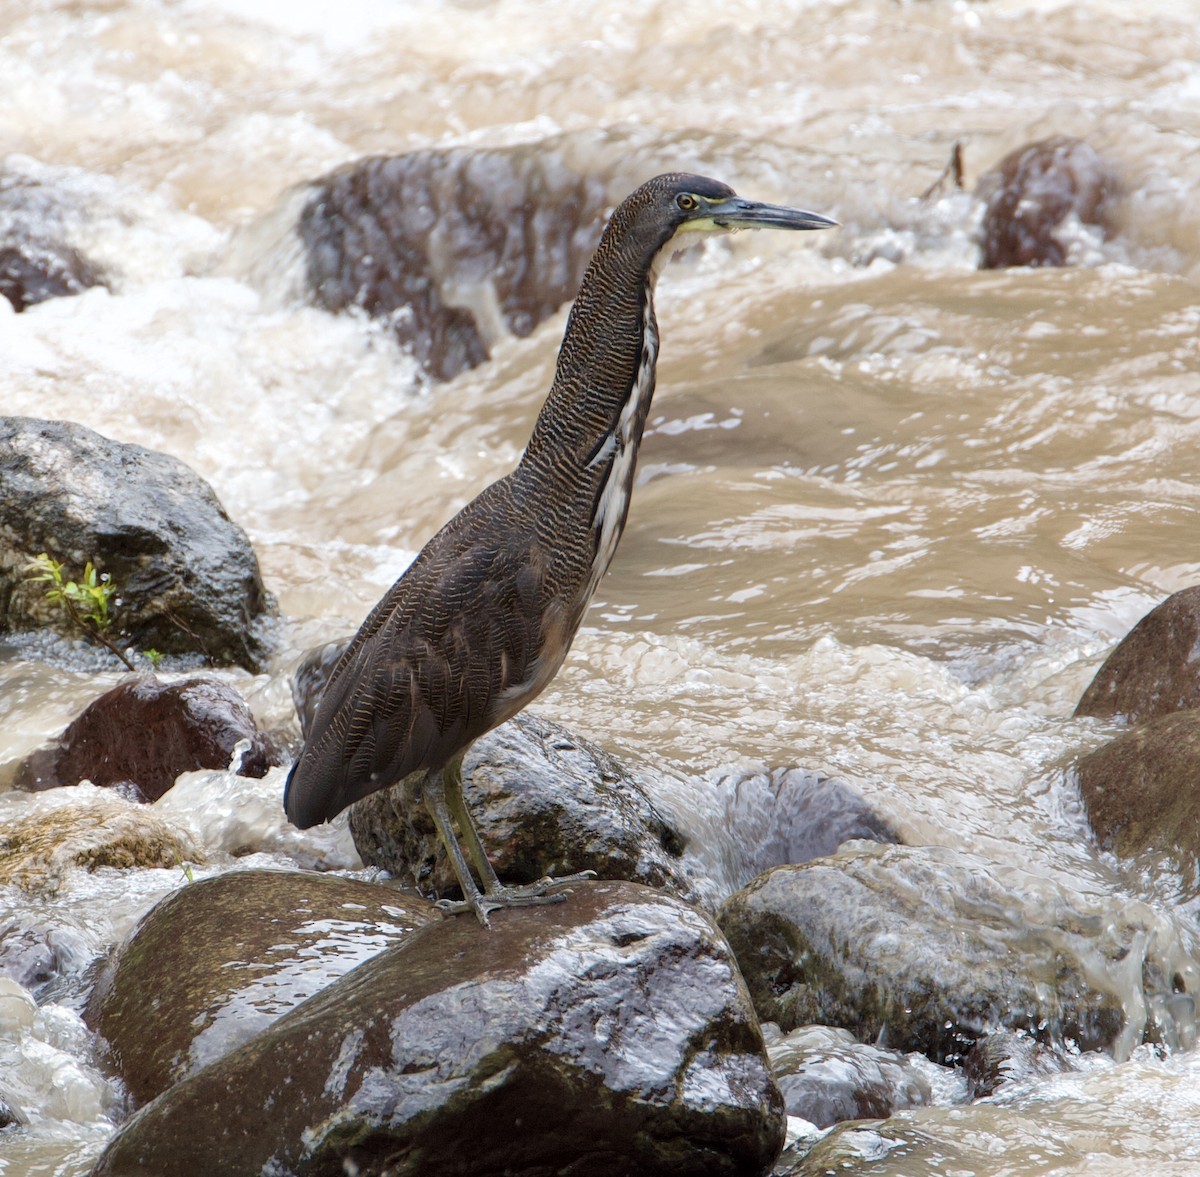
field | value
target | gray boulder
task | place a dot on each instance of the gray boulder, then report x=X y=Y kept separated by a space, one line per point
x=825 y=1076
x=452 y=246
x=929 y=949
x=545 y=802
x=608 y=1035
x=188 y=579
x=220 y=960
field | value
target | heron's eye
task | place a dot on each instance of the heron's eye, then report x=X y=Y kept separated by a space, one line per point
x=687 y=202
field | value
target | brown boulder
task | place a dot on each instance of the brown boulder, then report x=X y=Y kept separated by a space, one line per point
x=1156 y=667
x=258 y=943
x=1033 y=192
x=452 y=246
x=143 y=733
x=1142 y=790
x=606 y=1036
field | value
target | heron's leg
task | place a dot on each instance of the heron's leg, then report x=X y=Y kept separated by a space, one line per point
x=493 y=888
x=452 y=781
x=434 y=789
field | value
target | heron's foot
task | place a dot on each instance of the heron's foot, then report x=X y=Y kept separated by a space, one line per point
x=529 y=895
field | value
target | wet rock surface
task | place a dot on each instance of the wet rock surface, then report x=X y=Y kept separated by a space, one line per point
x=188 y=580
x=454 y=246
x=790 y=815
x=1155 y=669
x=38 y=958
x=96 y=829
x=825 y=1076
x=1005 y=1057
x=142 y=734
x=606 y=1035
x=929 y=949
x=37 y=262
x=1142 y=789
x=545 y=802
x=1037 y=196
x=258 y=942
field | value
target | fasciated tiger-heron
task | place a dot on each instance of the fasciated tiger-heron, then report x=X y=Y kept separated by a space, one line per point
x=483 y=618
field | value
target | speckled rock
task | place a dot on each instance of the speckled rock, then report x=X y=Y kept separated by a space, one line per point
x=609 y=1035
x=259 y=942
x=1155 y=669
x=94 y=829
x=825 y=1076
x=142 y=734
x=453 y=246
x=929 y=949
x=1142 y=790
x=188 y=580
x=1036 y=195
x=545 y=803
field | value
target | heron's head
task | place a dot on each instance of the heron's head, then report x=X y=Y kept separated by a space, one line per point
x=673 y=207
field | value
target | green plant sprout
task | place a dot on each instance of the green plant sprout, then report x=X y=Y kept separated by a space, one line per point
x=84 y=601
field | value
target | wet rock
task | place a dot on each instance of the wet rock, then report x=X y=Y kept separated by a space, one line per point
x=825 y=1076
x=258 y=942
x=309 y=679
x=1142 y=790
x=929 y=949
x=142 y=734
x=38 y=958
x=1006 y=1057
x=544 y=801
x=33 y=271
x=10 y=1115
x=454 y=247
x=607 y=1035
x=1037 y=196
x=95 y=829
x=1155 y=669
x=789 y=815
x=37 y=261
x=187 y=577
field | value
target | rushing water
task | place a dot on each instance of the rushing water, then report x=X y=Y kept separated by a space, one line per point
x=892 y=510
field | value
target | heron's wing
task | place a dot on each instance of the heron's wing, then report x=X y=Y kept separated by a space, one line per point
x=422 y=678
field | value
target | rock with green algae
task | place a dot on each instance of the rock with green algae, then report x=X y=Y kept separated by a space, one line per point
x=607 y=1035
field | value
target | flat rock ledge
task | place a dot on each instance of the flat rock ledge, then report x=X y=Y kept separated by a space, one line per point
x=607 y=1035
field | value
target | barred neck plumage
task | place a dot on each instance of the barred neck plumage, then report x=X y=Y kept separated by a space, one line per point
x=582 y=455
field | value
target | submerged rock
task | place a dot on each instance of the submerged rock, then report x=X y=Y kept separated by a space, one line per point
x=545 y=802
x=142 y=734
x=825 y=1076
x=97 y=829
x=604 y=1036
x=1142 y=790
x=923 y=948
x=39 y=957
x=188 y=580
x=453 y=247
x=1155 y=669
x=258 y=942
x=1036 y=194
x=1007 y=1057
x=788 y=815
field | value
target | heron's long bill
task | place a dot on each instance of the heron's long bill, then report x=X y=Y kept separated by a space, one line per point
x=736 y=213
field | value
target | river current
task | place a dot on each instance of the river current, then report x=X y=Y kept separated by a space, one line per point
x=892 y=510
